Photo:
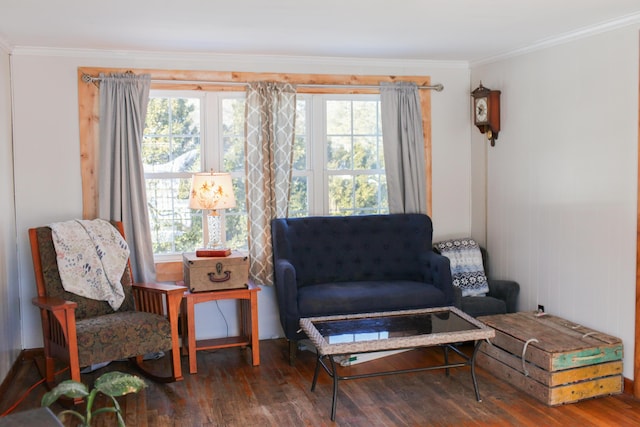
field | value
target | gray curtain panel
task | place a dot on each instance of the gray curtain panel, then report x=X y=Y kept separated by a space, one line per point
x=270 y=131
x=403 y=142
x=121 y=187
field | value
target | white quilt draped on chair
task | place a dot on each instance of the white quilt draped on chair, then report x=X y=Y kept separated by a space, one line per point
x=92 y=256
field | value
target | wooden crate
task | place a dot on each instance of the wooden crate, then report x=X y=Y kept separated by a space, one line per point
x=552 y=359
x=202 y=274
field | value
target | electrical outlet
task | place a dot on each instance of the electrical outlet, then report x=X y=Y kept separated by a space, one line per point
x=540 y=308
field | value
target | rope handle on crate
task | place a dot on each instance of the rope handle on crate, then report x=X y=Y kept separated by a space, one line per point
x=588 y=334
x=524 y=350
x=583 y=358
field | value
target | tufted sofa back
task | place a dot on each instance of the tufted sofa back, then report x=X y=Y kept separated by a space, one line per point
x=353 y=248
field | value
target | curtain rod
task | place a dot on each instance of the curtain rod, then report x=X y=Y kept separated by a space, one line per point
x=437 y=87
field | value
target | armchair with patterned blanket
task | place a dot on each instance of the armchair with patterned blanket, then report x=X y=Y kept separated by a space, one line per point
x=475 y=292
x=81 y=331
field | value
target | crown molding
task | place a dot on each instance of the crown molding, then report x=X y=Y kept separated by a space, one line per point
x=4 y=45
x=580 y=33
x=250 y=59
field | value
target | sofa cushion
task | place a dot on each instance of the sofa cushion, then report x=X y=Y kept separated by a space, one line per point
x=467 y=270
x=367 y=297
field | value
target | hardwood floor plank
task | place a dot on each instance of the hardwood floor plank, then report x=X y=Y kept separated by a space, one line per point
x=228 y=391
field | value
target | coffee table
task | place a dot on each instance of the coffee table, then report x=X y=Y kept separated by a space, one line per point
x=370 y=332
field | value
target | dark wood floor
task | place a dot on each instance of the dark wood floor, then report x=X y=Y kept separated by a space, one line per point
x=228 y=391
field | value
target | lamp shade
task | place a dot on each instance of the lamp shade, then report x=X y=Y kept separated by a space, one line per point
x=211 y=191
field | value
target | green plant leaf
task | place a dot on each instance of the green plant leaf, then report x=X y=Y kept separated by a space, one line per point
x=118 y=384
x=67 y=388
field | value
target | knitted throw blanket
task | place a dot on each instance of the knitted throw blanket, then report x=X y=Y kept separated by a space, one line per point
x=92 y=256
x=467 y=270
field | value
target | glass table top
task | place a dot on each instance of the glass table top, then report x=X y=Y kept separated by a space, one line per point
x=401 y=329
x=384 y=327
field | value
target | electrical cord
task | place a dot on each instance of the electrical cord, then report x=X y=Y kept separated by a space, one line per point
x=26 y=393
x=226 y=324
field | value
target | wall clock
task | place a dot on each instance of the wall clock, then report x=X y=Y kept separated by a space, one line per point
x=486 y=112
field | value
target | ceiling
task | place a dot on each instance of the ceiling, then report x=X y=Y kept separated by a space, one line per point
x=445 y=30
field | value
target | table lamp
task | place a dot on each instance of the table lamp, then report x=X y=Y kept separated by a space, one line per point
x=212 y=191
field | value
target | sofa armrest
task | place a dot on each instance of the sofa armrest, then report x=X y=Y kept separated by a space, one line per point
x=457 y=297
x=438 y=271
x=286 y=286
x=506 y=290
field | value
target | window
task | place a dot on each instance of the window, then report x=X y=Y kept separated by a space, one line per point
x=338 y=164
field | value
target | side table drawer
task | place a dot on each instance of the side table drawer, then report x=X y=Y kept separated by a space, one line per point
x=203 y=274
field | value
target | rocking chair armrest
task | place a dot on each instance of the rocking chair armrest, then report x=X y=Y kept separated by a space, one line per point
x=54 y=304
x=149 y=296
x=163 y=288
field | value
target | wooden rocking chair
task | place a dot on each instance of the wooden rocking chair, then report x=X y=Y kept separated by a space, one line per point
x=82 y=332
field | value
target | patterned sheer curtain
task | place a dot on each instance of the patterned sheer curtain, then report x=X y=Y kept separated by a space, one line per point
x=121 y=188
x=403 y=138
x=270 y=120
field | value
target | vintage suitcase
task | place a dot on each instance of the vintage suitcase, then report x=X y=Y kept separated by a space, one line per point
x=552 y=359
x=216 y=273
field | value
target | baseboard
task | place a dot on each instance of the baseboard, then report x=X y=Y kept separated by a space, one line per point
x=32 y=353
x=627 y=387
x=29 y=354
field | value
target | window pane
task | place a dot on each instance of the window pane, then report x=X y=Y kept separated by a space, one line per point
x=300 y=143
x=365 y=117
x=155 y=152
x=233 y=134
x=367 y=194
x=171 y=151
x=338 y=117
x=233 y=116
x=354 y=148
x=299 y=199
x=174 y=227
x=365 y=153
x=340 y=194
x=171 y=141
x=236 y=236
x=233 y=154
x=339 y=152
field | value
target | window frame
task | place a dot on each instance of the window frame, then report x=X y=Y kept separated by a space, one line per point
x=89 y=116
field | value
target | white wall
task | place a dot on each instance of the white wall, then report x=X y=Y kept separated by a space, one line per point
x=10 y=344
x=47 y=161
x=562 y=179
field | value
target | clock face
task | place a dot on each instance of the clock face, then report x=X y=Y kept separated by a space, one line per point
x=481 y=111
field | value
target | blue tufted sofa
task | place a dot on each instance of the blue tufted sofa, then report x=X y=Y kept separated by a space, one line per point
x=356 y=264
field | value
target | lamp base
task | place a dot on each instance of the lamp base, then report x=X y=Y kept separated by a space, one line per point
x=213 y=252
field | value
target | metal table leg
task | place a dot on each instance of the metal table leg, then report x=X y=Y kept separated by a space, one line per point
x=472 y=362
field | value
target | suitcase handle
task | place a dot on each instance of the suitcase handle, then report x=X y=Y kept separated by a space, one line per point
x=214 y=276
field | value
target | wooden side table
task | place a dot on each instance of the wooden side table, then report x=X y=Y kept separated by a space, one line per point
x=248 y=302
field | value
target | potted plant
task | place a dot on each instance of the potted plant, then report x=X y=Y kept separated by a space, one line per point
x=112 y=384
